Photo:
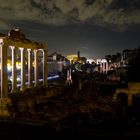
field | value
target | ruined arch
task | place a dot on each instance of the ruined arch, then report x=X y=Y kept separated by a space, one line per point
x=122 y=99
x=136 y=99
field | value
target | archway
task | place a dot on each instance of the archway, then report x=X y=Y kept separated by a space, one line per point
x=122 y=99
x=136 y=100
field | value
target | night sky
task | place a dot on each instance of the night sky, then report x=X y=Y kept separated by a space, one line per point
x=93 y=27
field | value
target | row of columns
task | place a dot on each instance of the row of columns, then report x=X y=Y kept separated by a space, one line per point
x=4 y=78
x=104 y=67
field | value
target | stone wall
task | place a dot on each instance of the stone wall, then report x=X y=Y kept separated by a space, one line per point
x=25 y=103
x=133 y=89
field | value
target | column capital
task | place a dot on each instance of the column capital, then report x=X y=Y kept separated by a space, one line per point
x=12 y=47
x=1 y=44
x=35 y=50
x=21 y=48
x=41 y=50
x=1 y=41
x=29 y=50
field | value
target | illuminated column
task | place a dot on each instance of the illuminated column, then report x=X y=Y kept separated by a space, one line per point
x=44 y=67
x=36 y=67
x=14 y=86
x=22 y=68
x=29 y=68
x=101 y=67
x=4 y=78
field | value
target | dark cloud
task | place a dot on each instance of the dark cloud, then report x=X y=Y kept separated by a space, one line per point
x=128 y=5
x=117 y=14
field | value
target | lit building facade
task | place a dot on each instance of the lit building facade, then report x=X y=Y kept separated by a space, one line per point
x=56 y=63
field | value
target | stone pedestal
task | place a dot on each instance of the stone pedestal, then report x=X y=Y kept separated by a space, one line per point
x=129 y=100
x=3 y=107
x=115 y=97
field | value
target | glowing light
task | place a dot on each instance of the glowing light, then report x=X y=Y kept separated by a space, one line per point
x=53 y=77
x=18 y=65
x=72 y=57
x=9 y=65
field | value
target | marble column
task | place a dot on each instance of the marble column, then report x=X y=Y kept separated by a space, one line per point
x=44 y=67
x=4 y=77
x=14 y=77
x=29 y=68
x=22 y=68
x=36 y=67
